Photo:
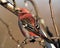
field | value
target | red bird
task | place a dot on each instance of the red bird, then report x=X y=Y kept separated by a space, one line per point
x=25 y=15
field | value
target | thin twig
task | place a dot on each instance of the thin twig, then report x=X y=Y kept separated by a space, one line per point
x=52 y=17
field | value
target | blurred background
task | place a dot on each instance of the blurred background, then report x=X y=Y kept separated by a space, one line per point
x=12 y=21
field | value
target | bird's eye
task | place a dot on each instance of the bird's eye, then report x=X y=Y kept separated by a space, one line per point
x=20 y=10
